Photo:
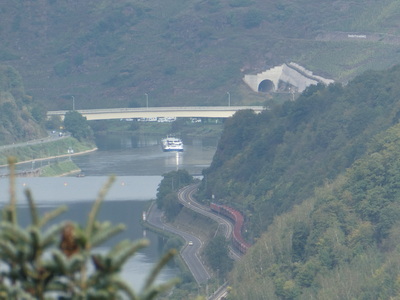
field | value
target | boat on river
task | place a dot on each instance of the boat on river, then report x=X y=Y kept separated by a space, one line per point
x=171 y=143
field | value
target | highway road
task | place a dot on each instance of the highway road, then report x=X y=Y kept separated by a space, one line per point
x=189 y=253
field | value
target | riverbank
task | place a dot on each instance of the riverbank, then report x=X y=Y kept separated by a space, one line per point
x=50 y=150
x=59 y=168
x=47 y=149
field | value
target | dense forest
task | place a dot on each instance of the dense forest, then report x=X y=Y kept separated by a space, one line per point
x=317 y=181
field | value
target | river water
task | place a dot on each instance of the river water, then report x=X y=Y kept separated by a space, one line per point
x=138 y=164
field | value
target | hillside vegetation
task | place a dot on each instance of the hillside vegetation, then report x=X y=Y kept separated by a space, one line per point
x=19 y=115
x=342 y=243
x=318 y=182
x=110 y=53
x=264 y=164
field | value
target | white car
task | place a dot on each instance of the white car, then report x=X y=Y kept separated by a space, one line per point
x=190 y=243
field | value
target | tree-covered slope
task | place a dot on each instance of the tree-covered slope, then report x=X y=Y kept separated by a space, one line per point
x=342 y=243
x=110 y=53
x=19 y=115
x=266 y=163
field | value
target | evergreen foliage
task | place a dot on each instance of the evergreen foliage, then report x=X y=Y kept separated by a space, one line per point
x=59 y=262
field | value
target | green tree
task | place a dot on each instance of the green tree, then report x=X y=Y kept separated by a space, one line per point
x=54 y=123
x=167 y=197
x=39 y=112
x=217 y=255
x=77 y=124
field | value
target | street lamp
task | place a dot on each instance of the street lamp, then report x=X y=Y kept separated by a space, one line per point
x=147 y=100
x=73 y=102
x=229 y=98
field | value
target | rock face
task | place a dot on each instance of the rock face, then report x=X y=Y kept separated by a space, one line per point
x=286 y=77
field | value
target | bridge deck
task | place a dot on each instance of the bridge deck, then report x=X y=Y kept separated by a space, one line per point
x=159 y=112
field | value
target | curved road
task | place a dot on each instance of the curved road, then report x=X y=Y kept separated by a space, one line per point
x=185 y=196
x=190 y=253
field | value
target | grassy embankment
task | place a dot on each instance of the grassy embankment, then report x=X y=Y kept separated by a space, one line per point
x=50 y=149
x=59 y=168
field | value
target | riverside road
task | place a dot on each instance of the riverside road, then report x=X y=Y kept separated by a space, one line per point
x=190 y=253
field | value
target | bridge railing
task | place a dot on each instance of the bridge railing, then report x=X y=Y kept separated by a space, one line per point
x=160 y=109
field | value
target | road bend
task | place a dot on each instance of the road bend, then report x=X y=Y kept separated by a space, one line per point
x=189 y=253
x=185 y=196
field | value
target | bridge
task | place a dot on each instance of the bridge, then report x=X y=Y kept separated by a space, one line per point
x=159 y=112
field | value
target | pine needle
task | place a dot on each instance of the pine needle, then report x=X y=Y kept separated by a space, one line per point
x=96 y=207
x=156 y=270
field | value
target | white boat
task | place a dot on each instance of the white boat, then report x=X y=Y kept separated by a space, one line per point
x=171 y=144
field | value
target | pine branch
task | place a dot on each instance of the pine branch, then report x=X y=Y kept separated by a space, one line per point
x=91 y=223
x=96 y=206
x=12 y=208
x=14 y=233
x=35 y=243
x=124 y=287
x=95 y=294
x=153 y=291
x=51 y=235
x=32 y=207
x=121 y=255
x=75 y=263
x=105 y=233
x=51 y=215
x=61 y=262
x=62 y=265
x=156 y=270
x=8 y=251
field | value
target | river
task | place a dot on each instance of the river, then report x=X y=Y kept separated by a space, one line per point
x=138 y=164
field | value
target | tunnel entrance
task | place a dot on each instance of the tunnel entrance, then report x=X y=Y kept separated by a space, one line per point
x=266 y=86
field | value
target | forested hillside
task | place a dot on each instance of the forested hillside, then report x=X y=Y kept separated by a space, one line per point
x=266 y=163
x=342 y=243
x=318 y=181
x=111 y=53
x=19 y=115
